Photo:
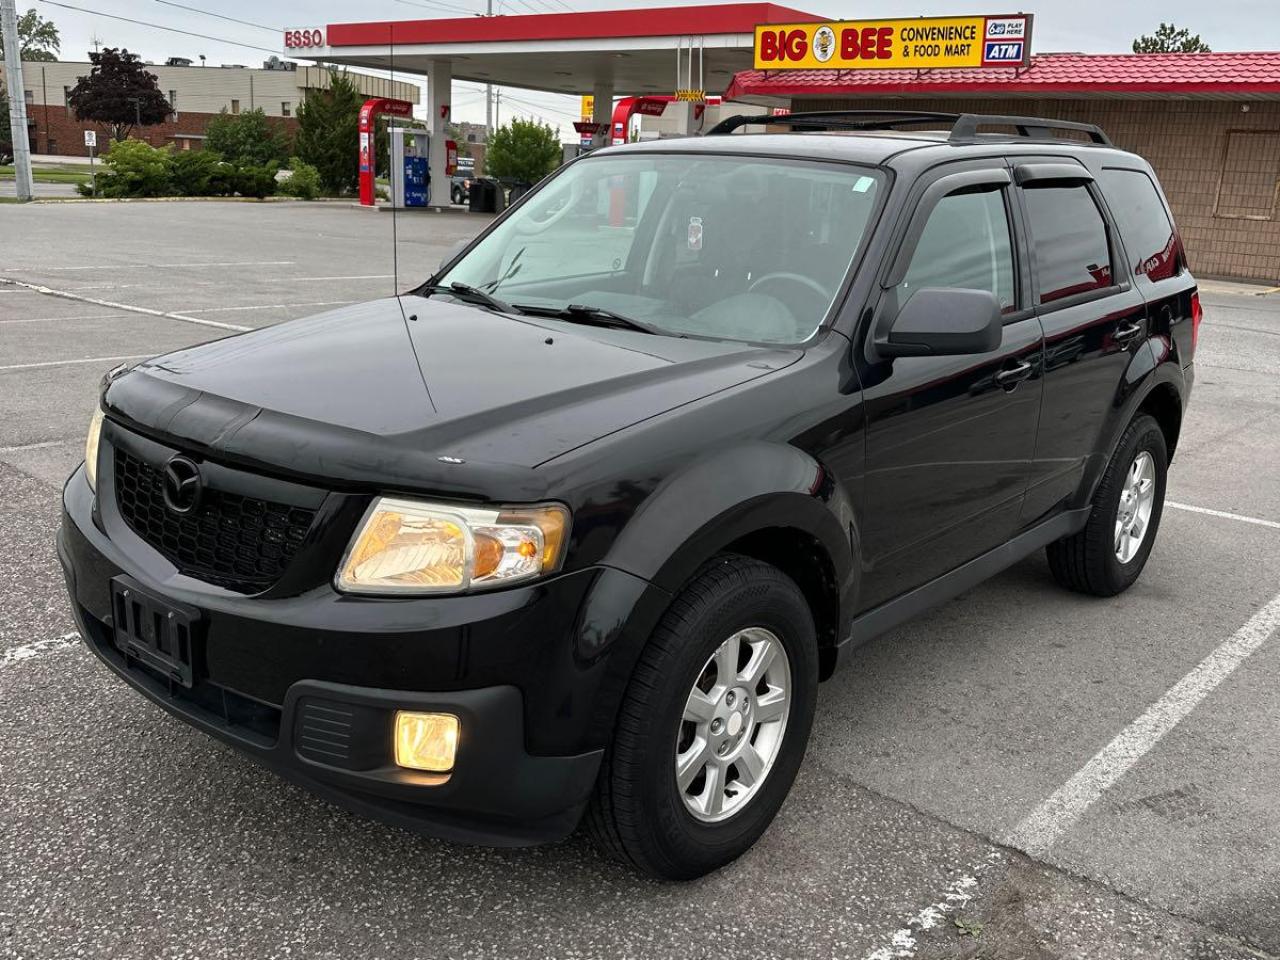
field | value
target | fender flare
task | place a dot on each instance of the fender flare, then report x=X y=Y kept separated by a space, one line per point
x=1150 y=368
x=693 y=515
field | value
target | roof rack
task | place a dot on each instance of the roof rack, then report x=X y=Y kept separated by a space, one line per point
x=834 y=120
x=1038 y=128
x=964 y=126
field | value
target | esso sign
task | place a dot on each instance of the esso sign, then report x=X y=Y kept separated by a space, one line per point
x=293 y=39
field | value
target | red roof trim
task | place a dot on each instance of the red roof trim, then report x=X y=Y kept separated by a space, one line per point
x=589 y=25
x=1049 y=74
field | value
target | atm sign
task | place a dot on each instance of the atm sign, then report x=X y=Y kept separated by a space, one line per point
x=919 y=43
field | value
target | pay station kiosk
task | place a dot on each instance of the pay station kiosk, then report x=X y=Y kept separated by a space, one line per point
x=410 y=170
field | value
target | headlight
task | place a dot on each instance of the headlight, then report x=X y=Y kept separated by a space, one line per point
x=91 y=450
x=410 y=546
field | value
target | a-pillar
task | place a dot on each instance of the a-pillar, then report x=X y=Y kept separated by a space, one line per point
x=602 y=111
x=439 y=103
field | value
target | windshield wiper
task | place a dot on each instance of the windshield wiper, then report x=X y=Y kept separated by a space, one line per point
x=468 y=294
x=586 y=313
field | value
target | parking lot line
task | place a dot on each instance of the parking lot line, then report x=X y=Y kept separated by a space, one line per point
x=1222 y=514
x=100 y=316
x=902 y=942
x=50 y=292
x=60 y=363
x=29 y=651
x=272 y=306
x=163 y=266
x=1049 y=821
x=42 y=445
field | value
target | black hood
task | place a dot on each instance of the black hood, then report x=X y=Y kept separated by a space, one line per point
x=371 y=381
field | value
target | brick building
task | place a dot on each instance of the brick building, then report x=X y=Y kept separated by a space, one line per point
x=197 y=94
x=1208 y=122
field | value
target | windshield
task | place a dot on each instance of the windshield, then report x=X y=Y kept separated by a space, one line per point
x=739 y=248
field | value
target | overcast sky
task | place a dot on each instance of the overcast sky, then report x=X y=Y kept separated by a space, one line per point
x=1093 y=26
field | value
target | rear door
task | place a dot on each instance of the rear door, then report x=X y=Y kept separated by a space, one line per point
x=1153 y=251
x=949 y=439
x=1093 y=318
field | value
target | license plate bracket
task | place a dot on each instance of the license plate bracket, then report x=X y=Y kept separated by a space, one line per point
x=156 y=632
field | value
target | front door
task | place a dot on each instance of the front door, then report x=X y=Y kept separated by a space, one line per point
x=949 y=439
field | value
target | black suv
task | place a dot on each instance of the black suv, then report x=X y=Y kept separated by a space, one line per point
x=460 y=182
x=571 y=532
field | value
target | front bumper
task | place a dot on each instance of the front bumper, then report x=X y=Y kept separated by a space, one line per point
x=500 y=792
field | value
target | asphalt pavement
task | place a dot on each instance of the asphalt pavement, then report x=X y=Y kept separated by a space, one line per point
x=1021 y=773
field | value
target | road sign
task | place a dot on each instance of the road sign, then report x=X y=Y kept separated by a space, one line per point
x=91 y=138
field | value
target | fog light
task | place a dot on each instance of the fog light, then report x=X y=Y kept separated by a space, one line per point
x=426 y=741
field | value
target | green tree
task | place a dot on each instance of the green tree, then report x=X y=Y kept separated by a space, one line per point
x=248 y=138
x=328 y=133
x=523 y=150
x=37 y=36
x=1169 y=39
x=119 y=91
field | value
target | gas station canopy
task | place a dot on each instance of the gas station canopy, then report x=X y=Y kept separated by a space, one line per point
x=629 y=51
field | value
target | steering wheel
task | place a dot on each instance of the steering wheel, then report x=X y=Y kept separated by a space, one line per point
x=799 y=278
x=528 y=224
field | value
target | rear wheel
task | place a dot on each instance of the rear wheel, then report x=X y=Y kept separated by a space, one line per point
x=713 y=726
x=1108 y=555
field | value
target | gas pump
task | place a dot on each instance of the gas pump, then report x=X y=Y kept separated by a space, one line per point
x=411 y=180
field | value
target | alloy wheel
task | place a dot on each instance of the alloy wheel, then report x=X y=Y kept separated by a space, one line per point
x=1137 y=499
x=733 y=724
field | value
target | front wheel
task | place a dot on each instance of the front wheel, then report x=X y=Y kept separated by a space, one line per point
x=713 y=726
x=1107 y=556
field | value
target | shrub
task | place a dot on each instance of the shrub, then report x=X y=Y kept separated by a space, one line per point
x=196 y=173
x=135 y=169
x=303 y=181
x=255 y=181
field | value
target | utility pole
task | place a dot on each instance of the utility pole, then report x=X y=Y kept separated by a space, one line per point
x=497 y=108
x=488 y=87
x=17 y=100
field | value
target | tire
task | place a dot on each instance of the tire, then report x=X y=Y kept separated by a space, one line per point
x=1091 y=561
x=457 y=195
x=640 y=814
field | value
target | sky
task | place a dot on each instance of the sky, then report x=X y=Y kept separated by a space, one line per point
x=1091 y=26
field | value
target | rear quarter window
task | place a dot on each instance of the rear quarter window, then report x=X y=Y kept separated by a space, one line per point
x=1148 y=236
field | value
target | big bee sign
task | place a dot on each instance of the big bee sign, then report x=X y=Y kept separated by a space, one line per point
x=922 y=43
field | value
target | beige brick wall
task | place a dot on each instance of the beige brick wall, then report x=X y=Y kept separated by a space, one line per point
x=1219 y=166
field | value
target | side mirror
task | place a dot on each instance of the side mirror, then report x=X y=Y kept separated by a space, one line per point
x=939 y=321
x=451 y=253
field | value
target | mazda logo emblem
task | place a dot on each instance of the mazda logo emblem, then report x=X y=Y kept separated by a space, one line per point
x=182 y=485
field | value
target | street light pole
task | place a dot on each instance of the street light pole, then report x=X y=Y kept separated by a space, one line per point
x=17 y=100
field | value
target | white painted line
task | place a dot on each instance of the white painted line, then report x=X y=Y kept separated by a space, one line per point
x=1049 y=821
x=271 y=306
x=1223 y=514
x=60 y=363
x=42 y=445
x=130 y=308
x=161 y=266
x=903 y=942
x=29 y=651
x=99 y=316
x=365 y=276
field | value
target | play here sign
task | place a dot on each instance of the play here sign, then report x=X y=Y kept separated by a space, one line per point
x=922 y=43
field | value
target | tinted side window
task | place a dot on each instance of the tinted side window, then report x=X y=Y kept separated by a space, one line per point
x=1070 y=238
x=965 y=244
x=1144 y=224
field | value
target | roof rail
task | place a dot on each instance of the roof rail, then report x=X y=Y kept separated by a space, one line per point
x=964 y=126
x=834 y=120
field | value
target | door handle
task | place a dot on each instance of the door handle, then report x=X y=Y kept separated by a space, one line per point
x=1012 y=376
x=1128 y=332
